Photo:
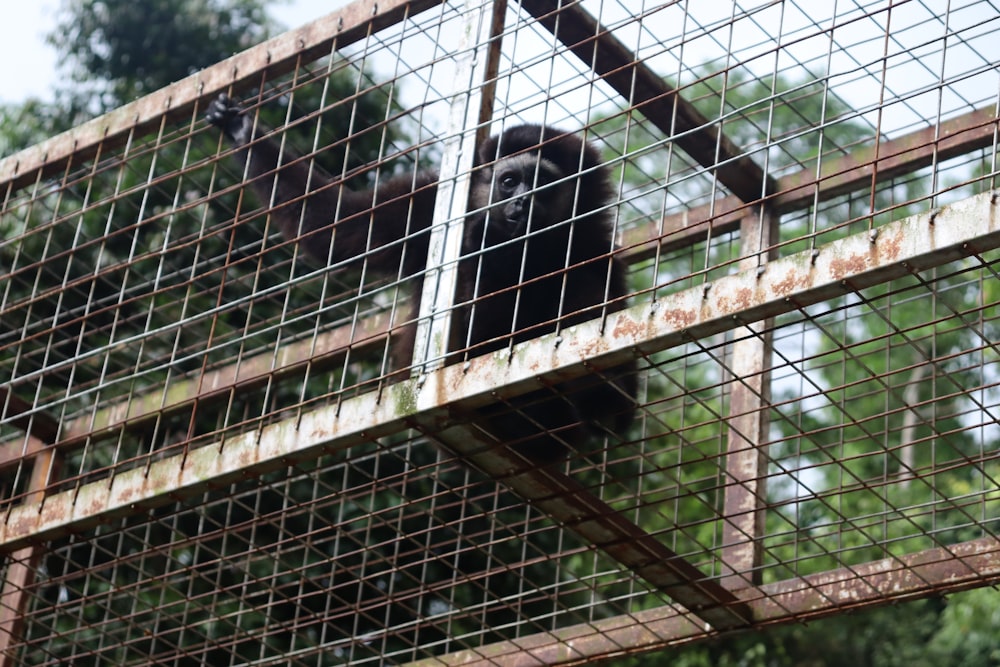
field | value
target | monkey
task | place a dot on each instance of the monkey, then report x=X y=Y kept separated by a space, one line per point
x=537 y=254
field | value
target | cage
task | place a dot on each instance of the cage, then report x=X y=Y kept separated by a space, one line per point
x=215 y=452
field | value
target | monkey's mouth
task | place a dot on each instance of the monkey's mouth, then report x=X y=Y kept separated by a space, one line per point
x=516 y=214
x=516 y=225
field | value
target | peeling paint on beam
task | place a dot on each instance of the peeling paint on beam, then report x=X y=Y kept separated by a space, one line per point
x=216 y=465
x=135 y=412
x=319 y=352
x=913 y=244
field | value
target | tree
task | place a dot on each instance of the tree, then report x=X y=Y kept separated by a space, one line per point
x=118 y=50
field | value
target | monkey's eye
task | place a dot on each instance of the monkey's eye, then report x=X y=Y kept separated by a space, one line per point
x=508 y=182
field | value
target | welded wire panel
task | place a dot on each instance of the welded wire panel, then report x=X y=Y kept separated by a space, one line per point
x=219 y=446
x=899 y=416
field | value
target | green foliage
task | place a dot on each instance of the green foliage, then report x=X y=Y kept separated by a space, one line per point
x=967 y=633
x=131 y=48
x=775 y=121
x=22 y=125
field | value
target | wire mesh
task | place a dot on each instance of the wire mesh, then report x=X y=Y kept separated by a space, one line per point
x=212 y=453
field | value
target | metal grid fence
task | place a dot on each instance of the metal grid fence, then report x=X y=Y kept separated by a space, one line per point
x=208 y=458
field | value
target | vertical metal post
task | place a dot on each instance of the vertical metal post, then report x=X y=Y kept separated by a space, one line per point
x=23 y=563
x=749 y=398
x=476 y=57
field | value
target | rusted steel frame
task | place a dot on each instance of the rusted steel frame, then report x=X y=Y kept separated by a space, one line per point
x=322 y=351
x=954 y=137
x=747 y=419
x=916 y=243
x=935 y=570
x=963 y=565
x=960 y=135
x=276 y=56
x=22 y=564
x=646 y=91
x=430 y=402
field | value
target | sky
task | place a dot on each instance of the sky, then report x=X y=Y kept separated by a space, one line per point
x=30 y=63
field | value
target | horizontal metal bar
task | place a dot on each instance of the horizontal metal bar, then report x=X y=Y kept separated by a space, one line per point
x=888 y=159
x=860 y=169
x=912 y=244
x=319 y=352
x=973 y=563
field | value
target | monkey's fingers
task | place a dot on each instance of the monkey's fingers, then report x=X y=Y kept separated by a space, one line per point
x=227 y=114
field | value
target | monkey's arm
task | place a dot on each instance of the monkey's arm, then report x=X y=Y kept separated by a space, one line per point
x=331 y=222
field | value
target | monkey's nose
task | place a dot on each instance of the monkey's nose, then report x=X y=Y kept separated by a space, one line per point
x=516 y=211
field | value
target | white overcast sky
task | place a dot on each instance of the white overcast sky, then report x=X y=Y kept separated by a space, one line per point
x=29 y=63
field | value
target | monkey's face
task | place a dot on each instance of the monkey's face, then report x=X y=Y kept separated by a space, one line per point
x=527 y=193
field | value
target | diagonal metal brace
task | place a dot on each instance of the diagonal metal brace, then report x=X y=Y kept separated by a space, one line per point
x=575 y=507
x=646 y=91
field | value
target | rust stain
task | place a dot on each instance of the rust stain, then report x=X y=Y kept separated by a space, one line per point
x=94 y=507
x=841 y=267
x=890 y=247
x=680 y=318
x=593 y=347
x=792 y=281
x=20 y=524
x=129 y=491
x=626 y=327
x=738 y=299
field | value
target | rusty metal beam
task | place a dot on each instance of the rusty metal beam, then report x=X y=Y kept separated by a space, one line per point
x=647 y=92
x=862 y=168
x=866 y=165
x=952 y=568
x=179 y=100
x=319 y=352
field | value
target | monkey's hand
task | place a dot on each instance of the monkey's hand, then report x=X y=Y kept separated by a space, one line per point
x=228 y=115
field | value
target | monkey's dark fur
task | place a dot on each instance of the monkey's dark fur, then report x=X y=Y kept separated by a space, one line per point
x=535 y=251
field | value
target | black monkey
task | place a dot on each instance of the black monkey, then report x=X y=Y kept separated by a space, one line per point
x=536 y=250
